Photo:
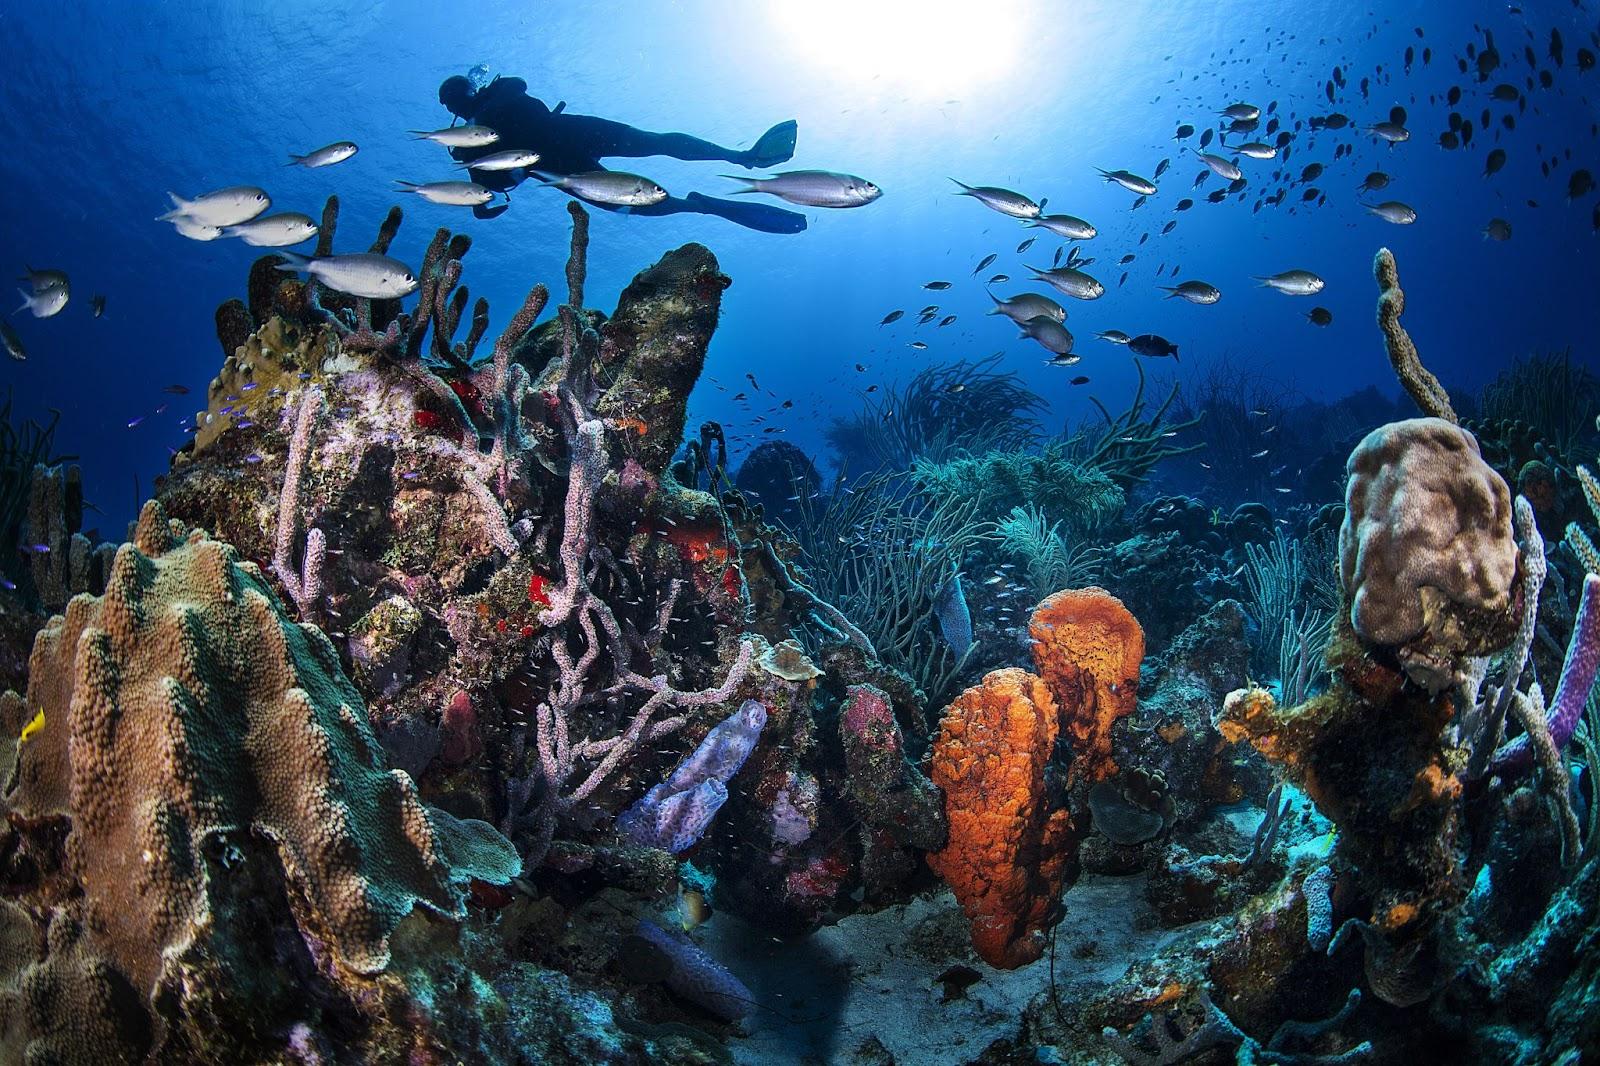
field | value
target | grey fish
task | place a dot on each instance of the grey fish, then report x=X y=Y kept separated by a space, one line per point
x=1130 y=181
x=362 y=274
x=326 y=156
x=1196 y=292
x=1153 y=346
x=1219 y=166
x=1048 y=332
x=51 y=291
x=224 y=207
x=459 y=136
x=1392 y=132
x=1115 y=336
x=196 y=231
x=1498 y=229
x=1069 y=227
x=1023 y=306
x=1256 y=150
x=1071 y=281
x=11 y=342
x=615 y=187
x=812 y=188
x=511 y=159
x=955 y=620
x=1241 y=112
x=1373 y=182
x=1394 y=211
x=1293 y=282
x=274 y=231
x=451 y=193
x=985 y=261
x=1002 y=200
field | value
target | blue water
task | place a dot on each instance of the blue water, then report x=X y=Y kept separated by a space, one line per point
x=103 y=108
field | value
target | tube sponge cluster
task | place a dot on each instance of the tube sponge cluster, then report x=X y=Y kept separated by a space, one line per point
x=675 y=814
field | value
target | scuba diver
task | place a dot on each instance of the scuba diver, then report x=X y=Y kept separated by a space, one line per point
x=574 y=144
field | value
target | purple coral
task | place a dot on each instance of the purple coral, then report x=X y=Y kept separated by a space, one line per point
x=1577 y=677
x=676 y=813
x=697 y=977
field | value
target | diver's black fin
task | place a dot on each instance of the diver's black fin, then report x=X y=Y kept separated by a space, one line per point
x=774 y=146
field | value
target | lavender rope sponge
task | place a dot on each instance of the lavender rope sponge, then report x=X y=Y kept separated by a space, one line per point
x=675 y=814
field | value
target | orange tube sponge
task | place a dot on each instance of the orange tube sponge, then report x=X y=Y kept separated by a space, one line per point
x=1087 y=647
x=1006 y=856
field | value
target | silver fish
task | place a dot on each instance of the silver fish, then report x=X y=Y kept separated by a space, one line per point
x=1241 y=112
x=1023 y=306
x=1256 y=150
x=615 y=187
x=1394 y=211
x=1293 y=282
x=1130 y=181
x=1068 y=226
x=1393 y=132
x=11 y=342
x=1048 y=332
x=362 y=274
x=1071 y=281
x=1115 y=336
x=1002 y=200
x=224 y=207
x=459 y=136
x=812 y=188
x=450 y=193
x=1196 y=292
x=510 y=159
x=196 y=231
x=51 y=291
x=1221 y=167
x=274 y=231
x=326 y=156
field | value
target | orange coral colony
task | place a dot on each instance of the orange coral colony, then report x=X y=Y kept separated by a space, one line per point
x=1012 y=840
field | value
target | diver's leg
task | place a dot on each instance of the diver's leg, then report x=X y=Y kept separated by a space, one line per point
x=751 y=215
x=610 y=138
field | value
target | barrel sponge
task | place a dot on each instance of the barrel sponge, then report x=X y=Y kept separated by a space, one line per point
x=1427 y=527
x=1009 y=842
x=1088 y=646
x=182 y=707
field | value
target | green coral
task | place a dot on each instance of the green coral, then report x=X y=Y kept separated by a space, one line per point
x=1080 y=497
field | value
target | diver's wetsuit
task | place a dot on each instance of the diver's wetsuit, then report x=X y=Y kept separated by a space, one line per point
x=573 y=144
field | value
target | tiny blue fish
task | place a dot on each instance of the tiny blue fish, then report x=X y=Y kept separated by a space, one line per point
x=252 y=458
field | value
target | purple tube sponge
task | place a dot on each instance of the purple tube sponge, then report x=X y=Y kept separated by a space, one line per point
x=697 y=977
x=1577 y=677
x=675 y=814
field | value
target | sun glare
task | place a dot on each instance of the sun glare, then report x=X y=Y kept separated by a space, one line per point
x=930 y=48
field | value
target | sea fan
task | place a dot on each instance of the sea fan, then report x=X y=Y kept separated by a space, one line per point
x=1048 y=561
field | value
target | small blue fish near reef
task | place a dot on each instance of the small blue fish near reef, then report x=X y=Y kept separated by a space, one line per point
x=955 y=620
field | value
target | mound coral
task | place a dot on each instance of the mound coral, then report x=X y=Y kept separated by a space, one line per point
x=184 y=712
x=1013 y=838
x=1426 y=552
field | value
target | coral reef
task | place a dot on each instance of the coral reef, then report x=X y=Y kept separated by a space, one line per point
x=1013 y=838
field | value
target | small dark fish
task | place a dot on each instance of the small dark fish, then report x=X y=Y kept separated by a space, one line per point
x=1494 y=161
x=1449 y=141
x=1498 y=229
x=1025 y=245
x=946 y=321
x=1312 y=172
x=1079 y=380
x=97 y=305
x=892 y=316
x=985 y=261
x=1205 y=137
x=999 y=278
x=1184 y=204
x=1152 y=346
x=177 y=390
x=1320 y=316
x=1374 y=181
x=1580 y=184
x=936 y=286
x=1184 y=132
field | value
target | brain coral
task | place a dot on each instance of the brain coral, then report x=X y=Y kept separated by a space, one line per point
x=183 y=706
x=1427 y=527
